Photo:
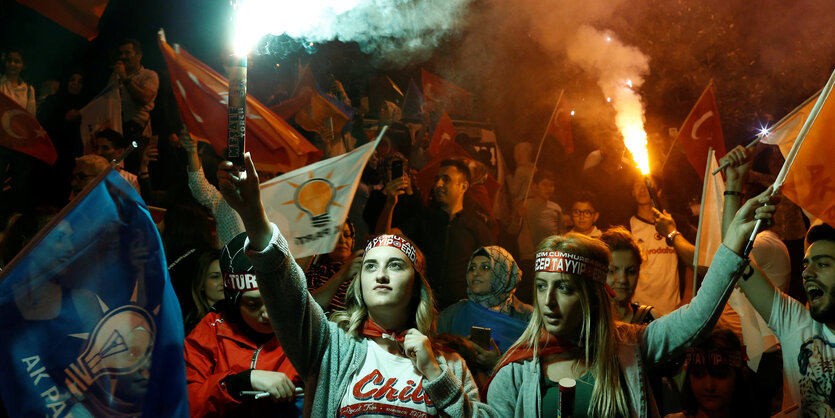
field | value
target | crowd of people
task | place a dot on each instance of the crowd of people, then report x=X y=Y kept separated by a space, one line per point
x=458 y=300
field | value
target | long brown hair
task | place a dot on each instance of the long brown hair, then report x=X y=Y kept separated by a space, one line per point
x=597 y=332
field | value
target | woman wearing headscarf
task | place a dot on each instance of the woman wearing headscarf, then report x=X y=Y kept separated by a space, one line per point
x=492 y=276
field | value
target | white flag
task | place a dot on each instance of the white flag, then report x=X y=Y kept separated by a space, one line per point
x=309 y=205
x=709 y=236
x=104 y=111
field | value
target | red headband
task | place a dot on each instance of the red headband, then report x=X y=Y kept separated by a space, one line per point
x=562 y=262
x=240 y=282
x=402 y=244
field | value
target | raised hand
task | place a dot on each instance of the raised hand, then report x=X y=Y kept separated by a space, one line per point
x=241 y=192
x=760 y=207
x=418 y=348
x=740 y=162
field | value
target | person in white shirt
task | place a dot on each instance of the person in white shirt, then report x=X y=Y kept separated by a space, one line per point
x=13 y=86
x=138 y=88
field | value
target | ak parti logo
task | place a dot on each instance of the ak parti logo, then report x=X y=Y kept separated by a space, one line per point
x=314 y=197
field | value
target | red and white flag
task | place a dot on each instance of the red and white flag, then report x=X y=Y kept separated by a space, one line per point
x=701 y=131
x=79 y=16
x=559 y=127
x=440 y=95
x=444 y=137
x=22 y=132
x=202 y=96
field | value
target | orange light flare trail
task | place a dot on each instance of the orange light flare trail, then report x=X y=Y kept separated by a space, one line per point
x=630 y=122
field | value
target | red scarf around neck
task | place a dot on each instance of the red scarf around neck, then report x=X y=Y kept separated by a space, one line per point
x=372 y=329
x=549 y=344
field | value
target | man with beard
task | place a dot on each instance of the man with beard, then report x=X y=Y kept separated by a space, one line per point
x=448 y=230
x=806 y=335
x=138 y=88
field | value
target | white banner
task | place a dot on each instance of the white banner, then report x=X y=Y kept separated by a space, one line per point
x=309 y=205
x=104 y=111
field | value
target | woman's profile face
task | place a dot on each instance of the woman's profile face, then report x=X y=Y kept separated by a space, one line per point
x=213 y=283
x=559 y=304
x=712 y=387
x=387 y=278
x=479 y=273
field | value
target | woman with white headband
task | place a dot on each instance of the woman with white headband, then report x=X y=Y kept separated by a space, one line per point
x=374 y=358
x=573 y=340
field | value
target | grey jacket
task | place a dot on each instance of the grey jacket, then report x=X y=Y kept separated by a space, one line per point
x=324 y=355
x=515 y=389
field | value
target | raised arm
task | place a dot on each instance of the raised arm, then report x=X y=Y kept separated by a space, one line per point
x=683 y=326
x=299 y=323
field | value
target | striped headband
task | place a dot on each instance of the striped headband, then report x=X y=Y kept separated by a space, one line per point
x=405 y=246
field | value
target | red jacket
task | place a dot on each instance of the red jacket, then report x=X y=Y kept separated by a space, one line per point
x=218 y=348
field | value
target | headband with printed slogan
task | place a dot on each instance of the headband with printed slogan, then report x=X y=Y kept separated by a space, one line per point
x=574 y=264
x=404 y=245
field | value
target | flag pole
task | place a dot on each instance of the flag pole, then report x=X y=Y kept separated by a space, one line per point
x=784 y=171
x=541 y=142
x=675 y=141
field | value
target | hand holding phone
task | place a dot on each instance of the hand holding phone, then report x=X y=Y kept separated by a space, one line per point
x=480 y=336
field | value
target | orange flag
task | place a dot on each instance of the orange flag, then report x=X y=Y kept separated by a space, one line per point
x=22 y=132
x=559 y=126
x=202 y=96
x=810 y=182
x=440 y=95
x=79 y=16
x=702 y=131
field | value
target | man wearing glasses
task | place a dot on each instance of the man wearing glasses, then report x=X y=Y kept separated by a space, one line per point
x=87 y=167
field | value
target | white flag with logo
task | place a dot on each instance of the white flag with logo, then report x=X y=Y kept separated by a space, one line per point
x=104 y=111
x=309 y=205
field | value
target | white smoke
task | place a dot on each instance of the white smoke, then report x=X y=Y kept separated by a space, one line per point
x=393 y=31
x=620 y=69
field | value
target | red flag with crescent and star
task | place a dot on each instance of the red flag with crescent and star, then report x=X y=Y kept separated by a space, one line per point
x=22 y=132
x=702 y=131
x=202 y=97
x=443 y=138
x=559 y=126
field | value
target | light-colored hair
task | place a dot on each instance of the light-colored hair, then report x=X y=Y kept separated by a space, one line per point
x=597 y=333
x=198 y=282
x=422 y=306
x=97 y=162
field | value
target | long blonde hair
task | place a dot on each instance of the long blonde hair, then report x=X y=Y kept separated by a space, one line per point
x=597 y=333
x=422 y=304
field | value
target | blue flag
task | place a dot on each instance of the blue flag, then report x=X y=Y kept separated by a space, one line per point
x=91 y=325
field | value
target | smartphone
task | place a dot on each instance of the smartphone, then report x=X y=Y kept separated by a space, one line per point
x=396 y=169
x=480 y=336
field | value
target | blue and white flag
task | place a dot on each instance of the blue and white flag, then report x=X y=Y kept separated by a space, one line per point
x=91 y=325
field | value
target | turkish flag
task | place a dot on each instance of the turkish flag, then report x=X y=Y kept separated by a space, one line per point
x=702 y=131
x=559 y=126
x=440 y=95
x=483 y=186
x=79 y=16
x=22 y=132
x=202 y=96
x=443 y=138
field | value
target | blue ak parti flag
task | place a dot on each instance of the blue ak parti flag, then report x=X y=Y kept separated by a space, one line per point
x=91 y=325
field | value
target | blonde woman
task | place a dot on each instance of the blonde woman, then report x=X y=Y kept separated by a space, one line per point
x=376 y=357
x=573 y=333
